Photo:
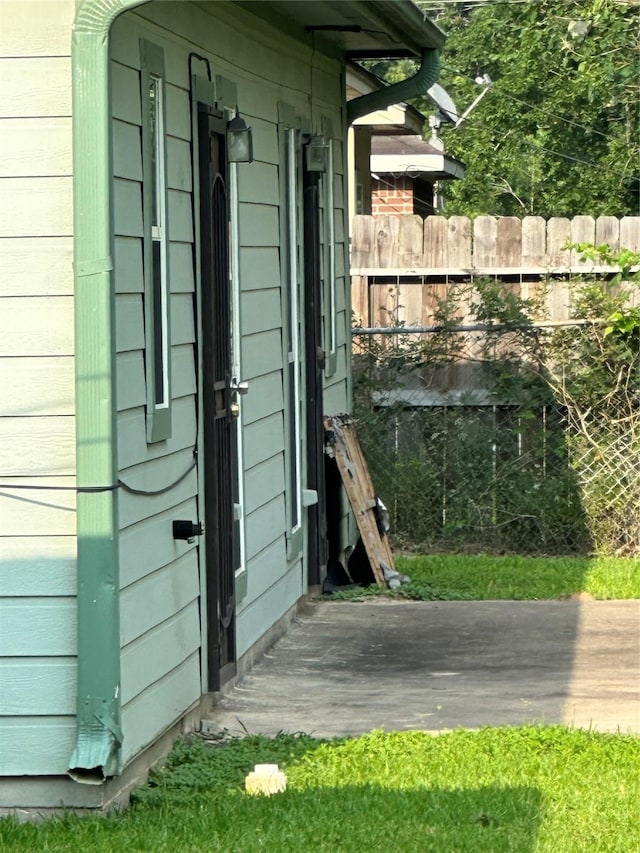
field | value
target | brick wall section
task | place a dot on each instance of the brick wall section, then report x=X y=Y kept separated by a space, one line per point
x=392 y=195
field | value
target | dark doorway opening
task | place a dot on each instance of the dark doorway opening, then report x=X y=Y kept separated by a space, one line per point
x=219 y=425
x=314 y=368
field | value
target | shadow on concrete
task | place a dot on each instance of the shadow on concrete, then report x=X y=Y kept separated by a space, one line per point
x=345 y=668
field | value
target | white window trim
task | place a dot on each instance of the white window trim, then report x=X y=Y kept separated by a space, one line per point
x=234 y=272
x=155 y=243
x=159 y=232
x=331 y=344
x=293 y=345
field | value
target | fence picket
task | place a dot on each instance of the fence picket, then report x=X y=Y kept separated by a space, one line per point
x=459 y=243
x=436 y=242
x=485 y=242
x=363 y=242
x=608 y=231
x=534 y=241
x=360 y=300
x=558 y=235
x=509 y=242
x=630 y=233
x=386 y=235
x=410 y=241
x=583 y=230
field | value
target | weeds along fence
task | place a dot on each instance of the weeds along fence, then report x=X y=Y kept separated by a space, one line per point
x=457 y=471
x=496 y=411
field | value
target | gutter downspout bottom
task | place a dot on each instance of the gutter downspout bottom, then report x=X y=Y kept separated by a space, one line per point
x=97 y=752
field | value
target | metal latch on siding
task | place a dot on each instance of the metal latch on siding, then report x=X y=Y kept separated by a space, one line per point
x=187 y=530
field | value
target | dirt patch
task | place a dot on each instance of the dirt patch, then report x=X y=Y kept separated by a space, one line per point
x=578 y=596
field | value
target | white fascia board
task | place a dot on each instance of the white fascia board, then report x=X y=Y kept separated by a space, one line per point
x=396 y=116
x=433 y=164
x=401 y=163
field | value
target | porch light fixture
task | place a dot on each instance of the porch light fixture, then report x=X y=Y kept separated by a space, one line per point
x=317 y=155
x=239 y=140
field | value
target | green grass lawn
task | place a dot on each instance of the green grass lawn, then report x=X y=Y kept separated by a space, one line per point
x=543 y=789
x=482 y=577
x=530 y=789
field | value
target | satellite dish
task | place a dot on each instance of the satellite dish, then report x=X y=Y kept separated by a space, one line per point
x=447 y=110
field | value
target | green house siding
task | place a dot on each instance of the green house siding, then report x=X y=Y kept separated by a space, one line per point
x=263 y=65
x=159 y=578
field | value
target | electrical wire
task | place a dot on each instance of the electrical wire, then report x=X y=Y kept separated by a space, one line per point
x=471 y=4
x=555 y=115
x=529 y=106
x=533 y=143
x=389 y=185
x=111 y=488
x=475 y=120
x=533 y=107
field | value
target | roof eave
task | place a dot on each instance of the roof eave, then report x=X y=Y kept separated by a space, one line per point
x=408 y=24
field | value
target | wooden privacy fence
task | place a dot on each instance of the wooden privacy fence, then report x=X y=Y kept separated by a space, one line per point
x=485 y=245
x=402 y=266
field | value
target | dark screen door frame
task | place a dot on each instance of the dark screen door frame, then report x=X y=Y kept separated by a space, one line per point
x=314 y=369
x=219 y=425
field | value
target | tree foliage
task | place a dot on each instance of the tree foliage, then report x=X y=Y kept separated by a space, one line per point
x=557 y=134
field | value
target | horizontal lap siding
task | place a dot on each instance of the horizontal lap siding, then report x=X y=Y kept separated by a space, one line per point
x=157 y=574
x=266 y=68
x=284 y=588
x=336 y=394
x=39 y=745
x=159 y=610
x=337 y=390
x=37 y=425
x=258 y=69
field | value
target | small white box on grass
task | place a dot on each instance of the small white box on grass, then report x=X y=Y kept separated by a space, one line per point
x=265 y=779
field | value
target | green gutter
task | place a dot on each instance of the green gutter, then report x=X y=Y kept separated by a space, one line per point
x=99 y=736
x=407 y=23
x=424 y=78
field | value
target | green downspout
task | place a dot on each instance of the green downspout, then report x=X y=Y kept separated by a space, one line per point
x=99 y=735
x=424 y=78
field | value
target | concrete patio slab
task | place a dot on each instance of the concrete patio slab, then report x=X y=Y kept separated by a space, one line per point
x=345 y=668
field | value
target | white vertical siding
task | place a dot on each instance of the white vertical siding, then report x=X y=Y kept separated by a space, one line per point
x=37 y=435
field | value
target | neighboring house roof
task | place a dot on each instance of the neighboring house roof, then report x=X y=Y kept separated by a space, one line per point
x=411 y=155
x=397 y=133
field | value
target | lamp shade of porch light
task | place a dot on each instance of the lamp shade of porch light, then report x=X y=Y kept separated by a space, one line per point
x=317 y=155
x=239 y=140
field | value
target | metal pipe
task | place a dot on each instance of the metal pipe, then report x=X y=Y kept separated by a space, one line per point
x=478 y=327
x=421 y=81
